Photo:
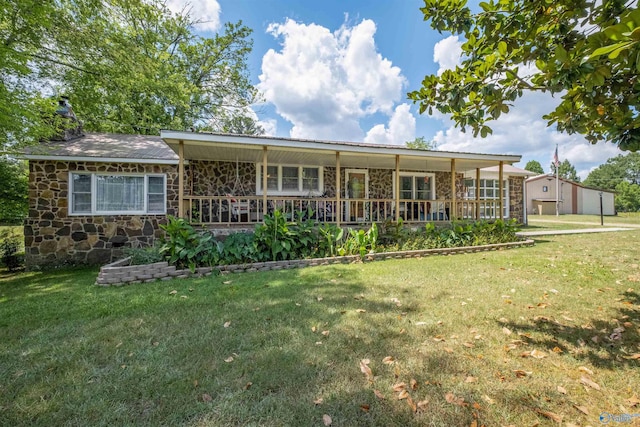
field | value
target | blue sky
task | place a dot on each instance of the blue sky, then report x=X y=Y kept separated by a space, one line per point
x=340 y=70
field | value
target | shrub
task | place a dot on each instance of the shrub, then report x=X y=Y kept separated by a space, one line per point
x=148 y=255
x=239 y=248
x=9 y=247
x=183 y=246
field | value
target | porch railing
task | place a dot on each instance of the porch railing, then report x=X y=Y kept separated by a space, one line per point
x=220 y=210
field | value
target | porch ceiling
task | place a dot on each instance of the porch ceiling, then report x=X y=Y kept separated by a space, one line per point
x=294 y=152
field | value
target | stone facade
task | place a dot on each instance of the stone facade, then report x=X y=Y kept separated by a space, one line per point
x=212 y=178
x=54 y=238
x=516 y=198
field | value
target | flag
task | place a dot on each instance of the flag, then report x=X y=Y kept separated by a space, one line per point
x=556 y=162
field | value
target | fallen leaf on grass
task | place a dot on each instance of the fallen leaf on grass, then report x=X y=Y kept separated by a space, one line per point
x=470 y=379
x=635 y=356
x=226 y=282
x=562 y=390
x=448 y=350
x=582 y=409
x=365 y=407
x=365 y=369
x=422 y=405
x=378 y=394
x=506 y=331
x=438 y=338
x=554 y=417
x=229 y=359
x=360 y=310
x=399 y=387
x=173 y=292
x=326 y=419
x=521 y=374
x=206 y=398
x=468 y=344
x=325 y=333
x=388 y=360
x=536 y=354
x=227 y=324
x=452 y=398
x=319 y=299
x=412 y=404
x=586 y=381
x=403 y=395
x=633 y=401
x=413 y=384
x=318 y=401
x=557 y=350
x=248 y=385
x=585 y=369
x=487 y=399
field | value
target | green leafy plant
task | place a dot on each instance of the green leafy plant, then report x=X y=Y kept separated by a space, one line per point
x=360 y=242
x=148 y=255
x=239 y=248
x=9 y=247
x=184 y=247
x=330 y=236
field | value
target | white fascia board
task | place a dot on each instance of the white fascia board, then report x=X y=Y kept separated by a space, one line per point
x=258 y=142
x=101 y=159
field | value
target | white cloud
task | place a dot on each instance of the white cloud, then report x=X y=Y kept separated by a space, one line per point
x=270 y=126
x=324 y=83
x=447 y=53
x=402 y=128
x=207 y=12
x=523 y=131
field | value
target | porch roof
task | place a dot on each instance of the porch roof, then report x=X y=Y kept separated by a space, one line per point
x=244 y=148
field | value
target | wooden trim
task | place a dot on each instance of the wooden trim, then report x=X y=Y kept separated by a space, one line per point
x=397 y=185
x=264 y=182
x=181 y=179
x=478 y=194
x=338 y=190
x=453 y=212
x=501 y=189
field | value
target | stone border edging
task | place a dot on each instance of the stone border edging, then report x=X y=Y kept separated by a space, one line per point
x=121 y=273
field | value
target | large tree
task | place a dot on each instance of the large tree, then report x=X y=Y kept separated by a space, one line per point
x=420 y=143
x=127 y=66
x=534 y=166
x=586 y=51
x=616 y=170
x=14 y=177
x=566 y=170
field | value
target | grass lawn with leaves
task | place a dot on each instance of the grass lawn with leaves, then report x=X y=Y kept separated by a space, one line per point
x=513 y=337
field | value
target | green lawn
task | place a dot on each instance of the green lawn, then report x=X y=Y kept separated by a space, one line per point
x=502 y=338
x=632 y=218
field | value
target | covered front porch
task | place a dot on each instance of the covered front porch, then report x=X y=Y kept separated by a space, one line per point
x=227 y=180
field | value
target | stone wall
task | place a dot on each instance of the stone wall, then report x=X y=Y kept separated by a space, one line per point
x=54 y=238
x=213 y=178
x=516 y=198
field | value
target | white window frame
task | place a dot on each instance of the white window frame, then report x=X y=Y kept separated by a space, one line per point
x=414 y=175
x=495 y=187
x=94 y=187
x=300 y=191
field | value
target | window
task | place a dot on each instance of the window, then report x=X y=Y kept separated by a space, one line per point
x=117 y=194
x=290 y=180
x=417 y=186
x=545 y=189
x=489 y=190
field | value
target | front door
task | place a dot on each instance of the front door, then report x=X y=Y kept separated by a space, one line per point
x=357 y=191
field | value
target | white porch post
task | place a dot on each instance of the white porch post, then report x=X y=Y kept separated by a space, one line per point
x=477 y=194
x=397 y=185
x=338 y=204
x=180 y=179
x=453 y=211
x=264 y=181
x=501 y=188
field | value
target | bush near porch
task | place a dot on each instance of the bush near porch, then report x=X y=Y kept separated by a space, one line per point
x=279 y=239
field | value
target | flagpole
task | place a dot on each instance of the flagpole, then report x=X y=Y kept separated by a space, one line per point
x=557 y=161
